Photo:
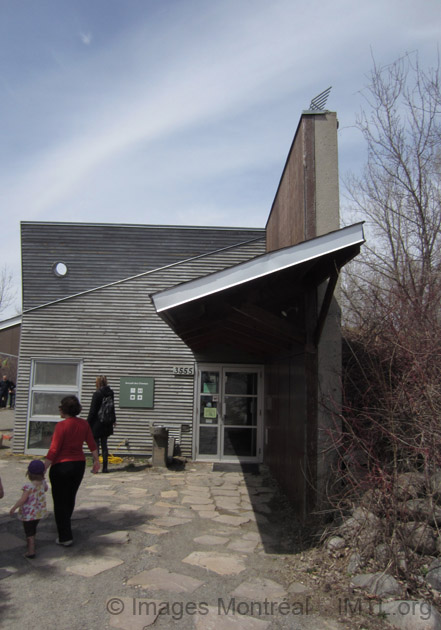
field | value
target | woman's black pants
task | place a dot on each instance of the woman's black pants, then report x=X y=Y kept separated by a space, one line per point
x=104 y=450
x=65 y=479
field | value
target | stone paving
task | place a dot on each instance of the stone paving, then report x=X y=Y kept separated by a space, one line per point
x=154 y=548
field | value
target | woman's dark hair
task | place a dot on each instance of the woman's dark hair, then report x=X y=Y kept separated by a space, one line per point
x=70 y=406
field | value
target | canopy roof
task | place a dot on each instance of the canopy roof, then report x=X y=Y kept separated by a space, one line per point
x=257 y=305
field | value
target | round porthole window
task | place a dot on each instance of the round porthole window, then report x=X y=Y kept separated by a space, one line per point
x=60 y=269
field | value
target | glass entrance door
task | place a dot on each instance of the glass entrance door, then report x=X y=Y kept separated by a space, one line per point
x=229 y=413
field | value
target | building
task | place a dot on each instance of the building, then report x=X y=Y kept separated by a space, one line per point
x=229 y=337
x=9 y=346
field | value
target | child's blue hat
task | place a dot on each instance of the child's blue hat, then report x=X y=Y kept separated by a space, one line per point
x=36 y=467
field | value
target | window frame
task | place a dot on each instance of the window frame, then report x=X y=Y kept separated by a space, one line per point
x=63 y=390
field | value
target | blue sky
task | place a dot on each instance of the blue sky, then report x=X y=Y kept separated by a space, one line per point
x=178 y=111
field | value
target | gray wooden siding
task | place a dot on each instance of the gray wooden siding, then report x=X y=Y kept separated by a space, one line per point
x=96 y=255
x=115 y=331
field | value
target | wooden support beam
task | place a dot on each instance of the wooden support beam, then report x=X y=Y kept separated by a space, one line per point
x=325 y=306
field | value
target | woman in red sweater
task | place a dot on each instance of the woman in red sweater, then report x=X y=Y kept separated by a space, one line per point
x=67 y=461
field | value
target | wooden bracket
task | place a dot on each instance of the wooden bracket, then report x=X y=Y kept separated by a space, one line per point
x=325 y=305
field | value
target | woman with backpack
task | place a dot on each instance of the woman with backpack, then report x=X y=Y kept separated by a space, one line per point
x=102 y=417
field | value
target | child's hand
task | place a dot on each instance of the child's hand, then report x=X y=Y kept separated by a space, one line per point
x=11 y=512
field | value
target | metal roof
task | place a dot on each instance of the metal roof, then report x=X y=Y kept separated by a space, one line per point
x=9 y=323
x=260 y=266
x=257 y=308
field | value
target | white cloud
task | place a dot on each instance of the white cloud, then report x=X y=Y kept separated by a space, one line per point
x=148 y=123
x=191 y=91
x=86 y=38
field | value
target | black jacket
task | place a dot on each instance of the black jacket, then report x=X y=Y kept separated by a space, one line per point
x=5 y=386
x=98 y=428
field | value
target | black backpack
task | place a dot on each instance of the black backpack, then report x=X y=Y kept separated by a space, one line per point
x=106 y=413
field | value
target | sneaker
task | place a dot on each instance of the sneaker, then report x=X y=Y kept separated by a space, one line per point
x=66 y=543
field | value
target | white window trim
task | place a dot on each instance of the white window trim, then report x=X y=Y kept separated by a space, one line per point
x=63 y=389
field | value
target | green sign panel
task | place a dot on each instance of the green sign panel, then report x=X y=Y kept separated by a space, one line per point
x=136 y=391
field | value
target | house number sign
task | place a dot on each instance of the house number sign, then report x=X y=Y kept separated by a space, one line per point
x=183 y=370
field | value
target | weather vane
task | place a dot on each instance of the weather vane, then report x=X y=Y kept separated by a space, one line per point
x=318 y=102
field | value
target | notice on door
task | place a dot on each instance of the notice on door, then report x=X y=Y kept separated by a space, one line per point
x=210 y=412
x=136 y=391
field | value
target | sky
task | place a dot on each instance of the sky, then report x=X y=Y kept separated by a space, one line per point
x=178 y=112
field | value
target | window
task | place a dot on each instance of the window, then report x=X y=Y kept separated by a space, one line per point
x=60 y=269
x=51 y=380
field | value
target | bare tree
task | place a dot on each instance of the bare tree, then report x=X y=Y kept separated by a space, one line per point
x=394 y=297
x=391 y=420
x=399 y=192
x=7 y=293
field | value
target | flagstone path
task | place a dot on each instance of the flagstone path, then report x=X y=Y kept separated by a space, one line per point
x=153 y=548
